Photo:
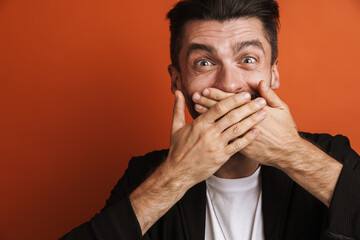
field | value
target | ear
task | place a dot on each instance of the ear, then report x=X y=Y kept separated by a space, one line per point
x=275 y=77
x=175 y=78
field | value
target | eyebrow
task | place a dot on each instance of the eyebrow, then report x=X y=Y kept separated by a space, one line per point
x=241 y=45
x=237 y=48
x=196 y=46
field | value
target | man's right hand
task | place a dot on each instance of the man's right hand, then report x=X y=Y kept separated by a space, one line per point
x=197 y=151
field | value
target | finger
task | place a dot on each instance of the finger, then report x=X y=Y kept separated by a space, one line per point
x=242 y=142
x=200 y=109
x=179 y=112
x=226 y=105
x=240 y=113
x=242 y=127
x=216 y=94
x=203 y=101
x=270 y=96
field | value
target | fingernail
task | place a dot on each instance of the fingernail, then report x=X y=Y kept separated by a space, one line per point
x=206 y=92
x=198 y=107
x=196 y=97
x=246 y=96
x=262 y=113
x=260 y=102
x=255 y=131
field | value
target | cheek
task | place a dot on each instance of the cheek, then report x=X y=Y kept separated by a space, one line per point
x=197 y=83
x=254 y=79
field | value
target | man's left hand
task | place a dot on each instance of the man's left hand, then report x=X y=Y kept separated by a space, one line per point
x=279 y=145
x=278 y=133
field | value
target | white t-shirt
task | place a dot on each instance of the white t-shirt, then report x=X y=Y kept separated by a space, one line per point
x=233 y=208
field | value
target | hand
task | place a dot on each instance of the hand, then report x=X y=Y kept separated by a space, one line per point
x=280 y=145
x=199 y=149
x=278 y=132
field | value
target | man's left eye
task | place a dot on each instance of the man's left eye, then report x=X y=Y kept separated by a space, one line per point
x=248 y=60
x=203 y=63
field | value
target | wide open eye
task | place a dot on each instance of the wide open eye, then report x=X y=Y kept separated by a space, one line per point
x=248 y=60
x=203 y=63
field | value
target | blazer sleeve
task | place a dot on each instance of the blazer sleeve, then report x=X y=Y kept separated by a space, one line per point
x=343 y=219
x=344 y=209
x=117 y=219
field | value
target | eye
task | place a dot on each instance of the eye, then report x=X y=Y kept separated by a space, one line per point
x=203 y=63
x=248 y=60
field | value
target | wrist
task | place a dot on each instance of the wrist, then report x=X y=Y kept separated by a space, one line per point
x=173 y=177
x=313 y=169
x=155 y=196
x=292 y=155
x=163 y=181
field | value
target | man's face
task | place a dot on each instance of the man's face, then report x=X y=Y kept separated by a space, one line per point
x=233 y=56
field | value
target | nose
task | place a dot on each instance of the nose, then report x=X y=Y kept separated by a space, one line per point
x=230 y=80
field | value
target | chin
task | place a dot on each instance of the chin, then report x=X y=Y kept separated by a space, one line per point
x=238 y=156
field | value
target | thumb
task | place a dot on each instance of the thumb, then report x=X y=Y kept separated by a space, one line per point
x=269 y=95
x=179 y=112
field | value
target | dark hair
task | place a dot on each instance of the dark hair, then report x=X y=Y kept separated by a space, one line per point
x=267 y=11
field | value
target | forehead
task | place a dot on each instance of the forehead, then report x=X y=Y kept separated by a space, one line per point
x=224 y=34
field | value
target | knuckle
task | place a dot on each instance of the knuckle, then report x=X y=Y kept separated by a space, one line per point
x=235 y=129
x=208 y=134
x=216 y=94
x=231 y=117
x=197 y=126
x=254 y=118
x=205 y=101
x=238 y=99
x=248 y=138
x=218 y=108
x=212 y=147
x=239 y=143
x=219 y=160
x=209 y=102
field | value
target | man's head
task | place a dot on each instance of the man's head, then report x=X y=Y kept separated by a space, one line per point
x=227 y=44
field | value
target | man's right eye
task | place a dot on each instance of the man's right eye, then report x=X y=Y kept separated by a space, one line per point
x=203 y=63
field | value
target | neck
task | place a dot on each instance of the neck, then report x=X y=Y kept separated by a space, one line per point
x=238 y=166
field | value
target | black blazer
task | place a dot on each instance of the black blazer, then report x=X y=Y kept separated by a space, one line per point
x=289 y=212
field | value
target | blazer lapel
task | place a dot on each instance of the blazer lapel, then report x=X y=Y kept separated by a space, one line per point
x=276 y=192
x=192 y=210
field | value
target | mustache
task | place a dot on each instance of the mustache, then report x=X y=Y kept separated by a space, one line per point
x=254 y=95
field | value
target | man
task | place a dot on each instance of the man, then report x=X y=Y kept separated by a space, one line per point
x=240 y=170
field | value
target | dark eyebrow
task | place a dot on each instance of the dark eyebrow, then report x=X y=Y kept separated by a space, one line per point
x=241 y=45
x=197 y=46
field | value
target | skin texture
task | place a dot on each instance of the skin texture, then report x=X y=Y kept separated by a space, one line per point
x=224 y=67
x=225 y=70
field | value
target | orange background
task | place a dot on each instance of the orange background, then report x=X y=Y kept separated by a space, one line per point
x=84 y=87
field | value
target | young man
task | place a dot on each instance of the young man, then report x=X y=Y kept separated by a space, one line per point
x=240 y=170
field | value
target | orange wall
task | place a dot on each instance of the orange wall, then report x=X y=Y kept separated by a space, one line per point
x=84 y=86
